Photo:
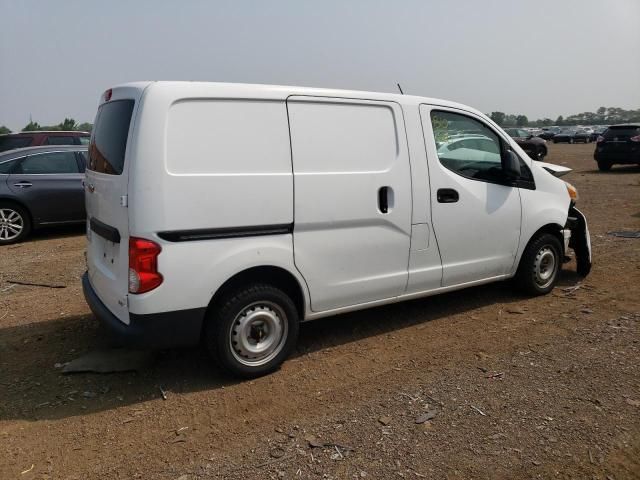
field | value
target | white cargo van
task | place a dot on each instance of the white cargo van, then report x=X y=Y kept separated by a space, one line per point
x=228 y=213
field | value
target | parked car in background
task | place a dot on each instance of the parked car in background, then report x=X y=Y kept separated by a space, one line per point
x=33 y=139
x=535 y=147
x=583 y=135
x=566 y=135
x=548 y=132
x=618 y=144
x=40 y=186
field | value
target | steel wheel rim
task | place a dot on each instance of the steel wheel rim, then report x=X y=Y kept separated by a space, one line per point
x=258 y=333
x=11 y=224
x=545 y=267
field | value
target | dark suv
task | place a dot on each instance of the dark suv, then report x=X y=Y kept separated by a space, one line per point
x=535 y=147
x=618 y=144
x=34 y=139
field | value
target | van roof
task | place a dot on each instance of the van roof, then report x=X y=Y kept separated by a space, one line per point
x=247 y=90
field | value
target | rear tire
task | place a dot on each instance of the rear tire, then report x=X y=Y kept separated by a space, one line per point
x=539 y=266
x=252 y=330
x=604 y=166
x=15 y=223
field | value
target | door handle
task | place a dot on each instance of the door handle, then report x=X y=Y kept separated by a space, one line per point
x=383 y=199
x=22 y=184
x=447 y=195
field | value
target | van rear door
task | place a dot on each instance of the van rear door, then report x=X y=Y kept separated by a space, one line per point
x=106 y=199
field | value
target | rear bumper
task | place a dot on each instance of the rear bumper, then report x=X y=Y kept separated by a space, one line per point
x=629 y=157
x=179 y=328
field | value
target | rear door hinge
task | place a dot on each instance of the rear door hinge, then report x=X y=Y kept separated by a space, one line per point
x=124 y=201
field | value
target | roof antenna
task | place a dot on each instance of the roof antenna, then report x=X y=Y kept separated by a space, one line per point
x=400 y=88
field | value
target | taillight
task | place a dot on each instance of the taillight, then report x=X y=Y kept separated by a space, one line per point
x=600 y=139
x=143 y=265
x=635 y=139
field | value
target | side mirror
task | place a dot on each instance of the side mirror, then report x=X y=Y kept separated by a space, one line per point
x=510 y=164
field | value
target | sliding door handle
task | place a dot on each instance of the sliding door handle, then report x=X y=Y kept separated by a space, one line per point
x=448 y=195
x=383 y=199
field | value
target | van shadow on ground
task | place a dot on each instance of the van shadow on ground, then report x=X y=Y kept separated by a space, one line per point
x=32 y=388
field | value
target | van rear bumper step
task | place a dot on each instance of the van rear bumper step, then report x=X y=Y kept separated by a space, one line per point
x=180 y=328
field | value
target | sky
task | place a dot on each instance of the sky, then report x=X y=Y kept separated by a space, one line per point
x=541 y=58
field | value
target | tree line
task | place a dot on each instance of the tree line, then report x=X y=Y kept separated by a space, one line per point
x=602 y=116
x=68 y=124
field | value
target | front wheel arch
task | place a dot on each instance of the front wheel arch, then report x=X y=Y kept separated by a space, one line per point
x=552 y=228
x=530 y=273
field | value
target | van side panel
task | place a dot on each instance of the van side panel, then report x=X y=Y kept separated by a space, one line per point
x=227 y=163
x=348 y=156
x=224 y=166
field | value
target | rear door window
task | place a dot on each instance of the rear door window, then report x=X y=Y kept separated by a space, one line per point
x=9 y=143
x=48 y=163
x=59 y=140
x=7 y=167
x=109 y=137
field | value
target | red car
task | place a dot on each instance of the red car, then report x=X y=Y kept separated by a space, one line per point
x=34 y=139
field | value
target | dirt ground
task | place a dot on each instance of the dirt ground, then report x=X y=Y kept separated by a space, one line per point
x=514 y=387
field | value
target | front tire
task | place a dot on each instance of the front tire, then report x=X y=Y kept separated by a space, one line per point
x=15 y=223
x=252 y=330
x=542 y=152
x=539 y=266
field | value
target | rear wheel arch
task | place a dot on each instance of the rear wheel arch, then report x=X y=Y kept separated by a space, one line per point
x=18 y=208
x=13 y=201
x=275 y=276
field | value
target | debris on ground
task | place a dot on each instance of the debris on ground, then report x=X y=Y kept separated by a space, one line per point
x=429 y=415
x=385 y=420
x=33 y=284
x=625 y=234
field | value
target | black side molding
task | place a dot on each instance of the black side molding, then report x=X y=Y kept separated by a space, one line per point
x=229 y=232
x=105 y=231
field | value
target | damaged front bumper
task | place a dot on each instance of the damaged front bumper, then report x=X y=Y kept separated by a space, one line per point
x=576 y=237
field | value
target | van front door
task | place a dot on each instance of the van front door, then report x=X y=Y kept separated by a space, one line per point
x=352 y=202
x=476 y=215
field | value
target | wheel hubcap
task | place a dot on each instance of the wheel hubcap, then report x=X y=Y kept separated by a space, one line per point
x=258 y=333
x=545 y=267
x=11 y=224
